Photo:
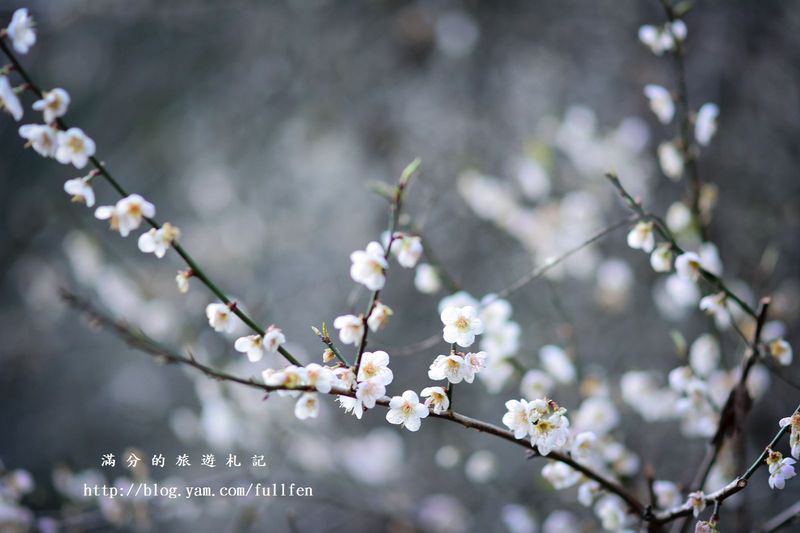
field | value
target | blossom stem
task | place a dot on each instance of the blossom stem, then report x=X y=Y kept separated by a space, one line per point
x=662 y=230
x=197 y=271
x=694 y=184
x=394 y=216
x=142 y=342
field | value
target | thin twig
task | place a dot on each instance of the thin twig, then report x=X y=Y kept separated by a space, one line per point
x=195 y=269
x=660 y=227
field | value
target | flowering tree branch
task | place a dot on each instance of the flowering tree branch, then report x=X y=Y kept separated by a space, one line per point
x=714 y=280
x=394 y=216
x=102 y=170
x=694 y=185
x=144 y=343
x=738 y=484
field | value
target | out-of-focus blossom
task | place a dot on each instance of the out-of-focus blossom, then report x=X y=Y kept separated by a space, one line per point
x=536 y=384
x=667 y=494
x=661 y=258
x=368 y=392
x=705 y=125
x=715 y=305
x=182 y=280
x=517 y=518
x=9 y=100
x=555 y=362
x=660 y=39
x=689 y=266
x=427 y=279
x=481 y=466
x=407 y=411
x=704 y=355
x=54 y=104
x=614 y=282
x=781 y=351
x=407 y=249
x=641 y=237
x=671 y=160
x=661 y=102
x=611 y=511
x=320 y=377
x=679 y=217
x=560 y=475
x=22 y=30
x=369 y=266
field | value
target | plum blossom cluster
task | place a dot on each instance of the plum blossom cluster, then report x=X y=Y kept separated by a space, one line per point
x=542 y=420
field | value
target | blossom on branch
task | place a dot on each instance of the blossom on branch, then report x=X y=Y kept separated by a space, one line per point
x=74 y=147
x=641 y=237
x=220 y=317
x=379 y=317
x=705 y=125
x=407 y=411
x=158 y=241
x=43 y=138
x=794 y=436
x=780 y=469
x=375 y=366
x=369 y=266
x=54 y=104
x=661 y=102
x=351 y=328
x=127 y=214
x=22 y=31
x=437 y=399
x=461 y=325
x=80 y=190
x=9 y=100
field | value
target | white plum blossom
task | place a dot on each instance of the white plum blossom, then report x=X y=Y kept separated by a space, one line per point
x=345 y=377
x=704 y=355
x=351 y=328
x=437 y=399
x=555 y=362
x=588 y=491
x=182 y=280
x=497 y=372
x=561 y=476
x=501 y=339
x=664 y=38
x=671 y=160
x=43 y=138
x=667 y=494
x=320 y=377
x=518 y=417
x=584 y=445
x=53 y=104
x=252 y=345
x=709 y=257
x=597 y=414
x=451 y=367
x=351 y=405
x=375 y=367
x=641 y=237
x=307 y=406
x=794 y=436
x=290 y=377
x=9 y=100
x=780 y=469
x=407 y=411
x=220 y=317
x=255 y=345
x=661 y=102
x=22 y=31
x=689 y=266
x=494 y=312
x=611 y=512
x=715 y=305
x=705 y=125
x=781 y=351
x=473 y=364
x=461 y=325
x=536 y=384
x=697 y=500
x=407 y=249
x=369 y=266
x=678 y=217
x=80 y=190
x=427 y=279
x=379 y=317
x=661 y=258
x=74 y=147
x=369 y=392
x=127 y=214
x=550 y=431
x=158 y=241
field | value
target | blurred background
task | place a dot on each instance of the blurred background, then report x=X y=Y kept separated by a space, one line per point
x=255 y=128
